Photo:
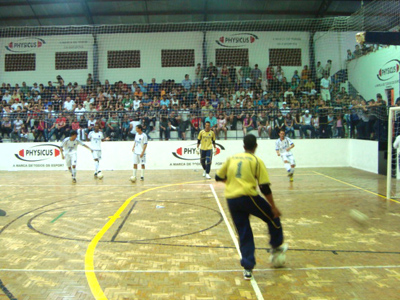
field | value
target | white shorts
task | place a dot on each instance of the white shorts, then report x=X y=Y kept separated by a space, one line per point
x=325 y=95
x=139 y=161
x=71 y=159
x=289 y=157
x=96 y=154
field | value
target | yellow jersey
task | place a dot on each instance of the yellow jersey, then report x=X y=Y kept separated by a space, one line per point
x=206 y=139
x=243 y=173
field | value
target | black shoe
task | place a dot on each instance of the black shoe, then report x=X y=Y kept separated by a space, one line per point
x=141 y=178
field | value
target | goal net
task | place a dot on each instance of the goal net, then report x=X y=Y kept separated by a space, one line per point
x=232 y=69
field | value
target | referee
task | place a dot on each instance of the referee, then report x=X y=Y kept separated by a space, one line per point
x=242 y=173
x=206 y=142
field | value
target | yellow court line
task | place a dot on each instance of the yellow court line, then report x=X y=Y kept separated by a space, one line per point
x=354 y=186
x=89 y=256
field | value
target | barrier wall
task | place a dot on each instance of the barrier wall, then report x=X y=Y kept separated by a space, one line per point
x=181 y=155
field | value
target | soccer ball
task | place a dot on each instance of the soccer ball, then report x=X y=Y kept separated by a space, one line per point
x=279 y=260
x=133 y=178
x=358 y=216
x=100 y=176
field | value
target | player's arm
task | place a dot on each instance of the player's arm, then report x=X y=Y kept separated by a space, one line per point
x=144 y=150
x=291 y=146
x=133 y=148
x=221 y=173
x=396 y=143
x=62 y=152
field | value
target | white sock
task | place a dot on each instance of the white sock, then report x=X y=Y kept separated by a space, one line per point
x=142 y=173
x=134 y=172
x=96 y=166
x=287 y=166
x=292 y=171
x=73 y=172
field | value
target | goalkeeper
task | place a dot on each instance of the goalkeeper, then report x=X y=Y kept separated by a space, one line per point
x=206 y=142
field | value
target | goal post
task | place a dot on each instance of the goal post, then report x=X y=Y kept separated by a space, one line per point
x=393 y=172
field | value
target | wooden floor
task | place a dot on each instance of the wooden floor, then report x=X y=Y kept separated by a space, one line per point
x=167 y=238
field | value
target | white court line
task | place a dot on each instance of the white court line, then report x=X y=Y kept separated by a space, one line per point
x=204 y=271
x=235 y=241
x=86 y=185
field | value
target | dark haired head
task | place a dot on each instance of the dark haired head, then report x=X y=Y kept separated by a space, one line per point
x=139 y=127
x=250 y=142
x=73 y=132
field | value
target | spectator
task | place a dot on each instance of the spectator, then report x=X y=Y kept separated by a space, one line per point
x=69 y=105
x=244 y=72
x=319 y=70
x=155 y=87
x=350 y=55
x=255 y=73
x=7 y=96
x=357 y=53
x=305 y=73
x=60 y=126
x=232 y=73
x=307 y=125
x=198 y=74
x=263 y=125
x=143 y=86
x=325 y=88
x=328 y=67
x=195 y=126
x=289 y=125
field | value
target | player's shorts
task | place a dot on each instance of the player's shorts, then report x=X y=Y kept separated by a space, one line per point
x=96 y=154
x=71 y=159
x=289 y=157
x=139 y=161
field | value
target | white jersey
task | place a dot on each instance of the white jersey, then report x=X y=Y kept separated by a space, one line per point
x=71 y=147
x=95 y=139
x=140 y=141
x=281 y=146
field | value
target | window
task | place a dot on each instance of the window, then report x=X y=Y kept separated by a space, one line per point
x=285 y=57
x=75 y=60
x=229 y=57
x=123 y=59
x=177 y=58
x=20 y=62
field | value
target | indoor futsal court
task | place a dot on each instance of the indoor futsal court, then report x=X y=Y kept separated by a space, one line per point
x=171 y=237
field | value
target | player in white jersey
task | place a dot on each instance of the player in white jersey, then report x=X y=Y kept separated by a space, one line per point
x=96 y=137
x=139 y=152
x=283 y=146
x=69 y=149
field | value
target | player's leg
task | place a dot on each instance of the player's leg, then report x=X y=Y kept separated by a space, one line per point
x=74 y=160
x=68 y=163
x=242 y=223
x=286 y=162
x=203 y=161
x=208 y=163
x=95 y=155
x=259 y=207
x=143 y=163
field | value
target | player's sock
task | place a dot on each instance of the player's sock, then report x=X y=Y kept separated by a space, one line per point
x=134 y=172
x=96 y=166
x=73 y=172
x=142 y=173
x=292 y=171
x=287 y=166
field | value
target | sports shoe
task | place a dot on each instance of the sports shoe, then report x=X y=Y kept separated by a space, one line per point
x=73 y=180
x=204 y=174
x=208 y=176
x=277 y=252
x=142 y=178
x=291 y=178
x=95 y=174
x=247 y=274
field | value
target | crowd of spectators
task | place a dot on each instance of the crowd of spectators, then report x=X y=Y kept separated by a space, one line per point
x=230 y=98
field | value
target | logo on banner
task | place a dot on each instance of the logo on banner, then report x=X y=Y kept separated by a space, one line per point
x=189 y=152
x=388 y=70
x=25 y=45
x=38 y=153
x=237 y=40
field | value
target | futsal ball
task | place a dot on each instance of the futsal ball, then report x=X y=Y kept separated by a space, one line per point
x=358 y=216
x=100 y=176
x=279 y=260
x=133 y=178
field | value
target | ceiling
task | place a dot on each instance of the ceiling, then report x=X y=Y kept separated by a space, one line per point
x=97 y=12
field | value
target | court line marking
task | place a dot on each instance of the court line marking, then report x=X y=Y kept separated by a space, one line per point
x=204 y=271
x=95 y=185
x=354 y=186
x=235 y=241
x=89 y=255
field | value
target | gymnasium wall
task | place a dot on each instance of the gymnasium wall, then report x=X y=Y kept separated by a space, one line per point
x=181 y=155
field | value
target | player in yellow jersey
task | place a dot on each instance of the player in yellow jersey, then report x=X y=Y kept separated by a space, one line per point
x=206 y=142
x=242 y=173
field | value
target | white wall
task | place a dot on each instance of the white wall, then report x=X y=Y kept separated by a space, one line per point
x=333 y=45
x=45 y=58
x=160 y=155
x=150 y=46
x=364 y=72
x=259 y=49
